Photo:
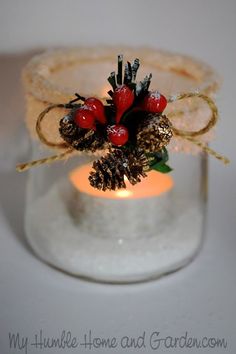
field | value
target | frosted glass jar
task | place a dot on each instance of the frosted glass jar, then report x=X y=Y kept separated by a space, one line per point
x=144 y=232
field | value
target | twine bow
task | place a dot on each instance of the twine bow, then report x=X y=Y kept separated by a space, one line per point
x=185 y=134
x=191 y=135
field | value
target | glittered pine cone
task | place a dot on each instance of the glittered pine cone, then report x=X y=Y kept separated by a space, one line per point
x=89 y=141
x=154 y=133
x=81 y=139
x=110 y=170
x=68 y=129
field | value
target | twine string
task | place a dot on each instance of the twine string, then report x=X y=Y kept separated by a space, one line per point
x=208 y=150
x=39 y=131
x=212 y=121
x=190 y=135
x=185 y=134
x=47 y=160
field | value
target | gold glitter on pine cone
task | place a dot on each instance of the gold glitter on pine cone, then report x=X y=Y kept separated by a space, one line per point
x=111 y=169
x=154 y=133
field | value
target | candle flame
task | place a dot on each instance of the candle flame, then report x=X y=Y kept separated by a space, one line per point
x=123 y=193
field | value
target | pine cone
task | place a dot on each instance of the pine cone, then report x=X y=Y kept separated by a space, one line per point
x=89 y=140
x=154 y=133
x=81 y=139
x=68 y=128
x=111 y=169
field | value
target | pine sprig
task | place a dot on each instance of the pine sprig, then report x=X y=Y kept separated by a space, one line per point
x=134 y=69
x=112 y=80
x=120 y=73
x=128 y=74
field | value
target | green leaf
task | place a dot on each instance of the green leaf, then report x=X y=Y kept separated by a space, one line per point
x=158 y=157
x=161 y=167
x=165 y=155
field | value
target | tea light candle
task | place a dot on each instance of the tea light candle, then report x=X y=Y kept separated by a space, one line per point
x=120 y=214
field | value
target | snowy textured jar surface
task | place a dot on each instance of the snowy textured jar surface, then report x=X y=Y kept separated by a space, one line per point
x=128 y=235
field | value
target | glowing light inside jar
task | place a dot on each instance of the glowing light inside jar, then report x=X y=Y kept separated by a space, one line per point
x=154 y=184
x=123 y=193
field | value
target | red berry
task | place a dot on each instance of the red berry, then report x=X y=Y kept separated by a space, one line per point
x=123 y=98
x=118 y=134
x=97 y=107
x=154 y=102
x=84 y=118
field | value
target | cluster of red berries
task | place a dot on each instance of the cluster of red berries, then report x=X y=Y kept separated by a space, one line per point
x=123 y=98
x=91 y=111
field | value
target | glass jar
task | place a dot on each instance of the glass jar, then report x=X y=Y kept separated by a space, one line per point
x=129 y=235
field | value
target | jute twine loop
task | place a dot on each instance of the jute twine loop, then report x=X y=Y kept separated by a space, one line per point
x=47 y=160
x=185 y=134
x=190 y=135
x=211 y=122
x=39 y=131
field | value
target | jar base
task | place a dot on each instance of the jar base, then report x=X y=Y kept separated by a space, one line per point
x=59 y=241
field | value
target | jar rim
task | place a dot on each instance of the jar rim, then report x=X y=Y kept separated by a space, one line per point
x=37 y=73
